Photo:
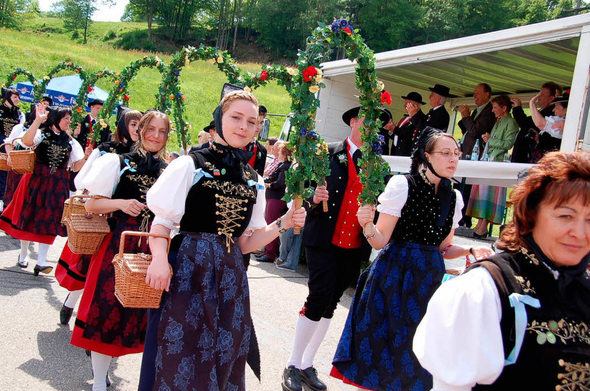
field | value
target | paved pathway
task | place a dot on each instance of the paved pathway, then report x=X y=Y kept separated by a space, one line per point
x=35 y=353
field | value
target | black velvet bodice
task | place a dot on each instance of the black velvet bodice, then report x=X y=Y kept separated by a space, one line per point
x=8 y=118
x=222 y=200
x=418 y=221
x=54 y=150
x=113 y=147
x=556 y=348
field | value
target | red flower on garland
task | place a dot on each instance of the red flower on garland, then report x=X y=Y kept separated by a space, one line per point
x=126 y=98
x=309 y=73
x=385 y=97
x=89 y=88
x=263 y=75
x=347 y=30
x=14 y=76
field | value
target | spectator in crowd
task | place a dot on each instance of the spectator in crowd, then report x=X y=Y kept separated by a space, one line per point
x=204 y=137
x=438 y=117
x=473 y=126
x=263 y=132
x=488 y=202
x=210 y=129
x=551 y=127
x=171 y=156
x=527 y=137
x=409 y=127
x=272 y=162
x=386 y=131
x=290 y=248
x=275 y=206
x=519 y=319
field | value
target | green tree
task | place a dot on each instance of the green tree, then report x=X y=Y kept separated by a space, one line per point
x=76 y=14
x=12 y=12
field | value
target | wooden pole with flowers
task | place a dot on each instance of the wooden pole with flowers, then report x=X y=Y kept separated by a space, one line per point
x=310 y=151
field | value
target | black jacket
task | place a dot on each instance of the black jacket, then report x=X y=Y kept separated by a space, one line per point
x=525 y=142
x=276 y=181
x=473 y=129
x=438 y=118
x=105 y=134
x=320 y=225
x=260 y=157
x=405 y=134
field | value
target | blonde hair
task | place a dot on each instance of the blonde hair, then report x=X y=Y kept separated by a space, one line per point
x=146 y=120
x=237 y=95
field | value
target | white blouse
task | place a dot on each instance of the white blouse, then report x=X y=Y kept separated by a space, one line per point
x=76 y=154
x=167 y=197
x=17 y=131
x=459 y=340
x=78 y=180
x=395 y=195
x=103 y=176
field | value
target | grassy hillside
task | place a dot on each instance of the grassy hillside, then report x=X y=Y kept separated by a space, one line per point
x=42 y=44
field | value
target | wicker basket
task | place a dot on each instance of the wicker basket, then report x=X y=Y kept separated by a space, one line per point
x=130 y=269
x=77 y=208
x=4 y=159
x=85 y=231
x=23 y=161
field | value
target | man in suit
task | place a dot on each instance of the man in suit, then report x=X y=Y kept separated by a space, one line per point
x=258 y=159
x=480 y=121
x=335 y=248
x=438 y=116
x=526 y=139
x=408 y=130
x=209 y=129
x=83 y=134
x=473 y=126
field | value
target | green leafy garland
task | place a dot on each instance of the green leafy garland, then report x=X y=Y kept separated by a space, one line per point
x=19 y=71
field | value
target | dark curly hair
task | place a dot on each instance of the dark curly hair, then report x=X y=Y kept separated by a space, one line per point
x=558 y=178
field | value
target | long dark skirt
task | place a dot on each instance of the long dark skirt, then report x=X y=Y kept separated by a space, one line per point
x=103 y=325
x=12 y=181
x=205 y=326
x=37 y=205
x=375 y=349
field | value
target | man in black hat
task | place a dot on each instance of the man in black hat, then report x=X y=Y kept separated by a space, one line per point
x=335 y=248
x=438 y=117
x=209 y=129
x=88 y=122
x=408 y=130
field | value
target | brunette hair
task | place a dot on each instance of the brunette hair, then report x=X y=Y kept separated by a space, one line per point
x=554 y=88
x=558 y=178
x=128 y=117
x=283 y=148
x=145 y=121
x=55 y=115
x=504 y=101
x=417 y=160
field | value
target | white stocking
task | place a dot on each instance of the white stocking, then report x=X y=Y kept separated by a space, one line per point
x=100 y=367
x=314 y=343
x=72 y=298
x=24 y=251
x=42 y=258
x=304 y=331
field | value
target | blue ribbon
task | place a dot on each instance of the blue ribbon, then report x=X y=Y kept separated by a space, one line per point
x=517 y=301
x=253 y=183
x=199 y=173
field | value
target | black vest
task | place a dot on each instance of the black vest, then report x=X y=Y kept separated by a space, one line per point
x=8 y=118
x=54 y=150
x=556 y=347
x=222 y=200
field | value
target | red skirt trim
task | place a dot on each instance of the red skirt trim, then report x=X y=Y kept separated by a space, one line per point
x=66 y=273
x=336 y=373
x=11 y=216
x=89 y=289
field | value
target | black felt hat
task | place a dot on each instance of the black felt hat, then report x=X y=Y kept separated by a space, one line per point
x=96 y=102
x=385 y=116
x=416 y=97
x=210 y=126
x=441 y=90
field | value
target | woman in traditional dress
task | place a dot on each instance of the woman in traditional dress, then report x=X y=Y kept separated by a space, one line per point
x=520 y=319
x=34 y=214
x=418 y=215
x=205 y=326
x=487 y=203
x=10 y=116
x=72 y=268
x=121 y=182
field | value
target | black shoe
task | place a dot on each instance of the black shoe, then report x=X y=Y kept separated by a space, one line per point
x=42 y=269
x=108 y=380
x=291 y=379
x=478 y=236
x=65 y=314
x=309 y=377
x=264 y=258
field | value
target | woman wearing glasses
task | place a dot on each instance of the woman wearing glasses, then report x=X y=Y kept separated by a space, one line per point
x=488 y=202
x=418 y=215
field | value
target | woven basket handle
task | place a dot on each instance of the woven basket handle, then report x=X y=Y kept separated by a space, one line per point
x=17 y=138
x=3 y=144
x=137 y=233
x=72 y=198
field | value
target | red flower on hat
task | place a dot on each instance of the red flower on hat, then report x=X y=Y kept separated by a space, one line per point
x=385 y=97
x=263 y=75
x=309 y=73
x=126 y=98
x=347 y=31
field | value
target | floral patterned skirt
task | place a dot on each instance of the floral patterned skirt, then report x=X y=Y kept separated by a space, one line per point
x=205 y=326
x=103 y=325
x=375 y=349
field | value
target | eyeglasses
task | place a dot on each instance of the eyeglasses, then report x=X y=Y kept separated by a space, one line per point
x=447 y=153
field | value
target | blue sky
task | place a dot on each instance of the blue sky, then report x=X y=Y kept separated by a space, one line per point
x=103 y=14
